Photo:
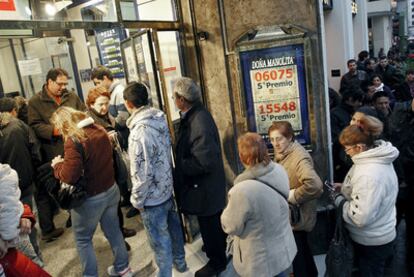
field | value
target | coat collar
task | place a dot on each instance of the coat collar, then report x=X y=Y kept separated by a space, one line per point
x=196 y=107
x=45 y=96
x=86 y=122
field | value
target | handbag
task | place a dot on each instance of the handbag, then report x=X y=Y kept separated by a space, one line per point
x=121 y=164
x=294 y=209
x=294 y=214
x=340 y=256
x=70 y=196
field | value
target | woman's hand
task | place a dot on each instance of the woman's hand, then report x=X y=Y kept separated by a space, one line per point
x=3 y=248
x=56 y=160
x=25 y=226
x=337 y=187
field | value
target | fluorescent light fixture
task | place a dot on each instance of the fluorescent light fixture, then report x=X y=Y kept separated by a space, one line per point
x=103 y=8
x=50 y=9
x=62 y=4
x=28 y=11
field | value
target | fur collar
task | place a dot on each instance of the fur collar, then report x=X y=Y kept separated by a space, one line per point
x=86 y=122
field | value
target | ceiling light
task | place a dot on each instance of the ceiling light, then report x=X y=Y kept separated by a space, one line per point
x=50 y=9
x=28 y=11
x=62 y=4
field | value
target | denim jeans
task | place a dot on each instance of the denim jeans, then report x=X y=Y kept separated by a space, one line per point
x=101 y=208
x=163 y=228
x=372 y=259
x=28 y=200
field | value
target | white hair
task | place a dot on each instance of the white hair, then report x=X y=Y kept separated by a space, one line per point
x=188 y=89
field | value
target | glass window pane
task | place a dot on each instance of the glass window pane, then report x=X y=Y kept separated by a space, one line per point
x=145 y=67
x=129 y=10
x=172 y=66
x=16 y=10
x=162 y=10
x=92 y=10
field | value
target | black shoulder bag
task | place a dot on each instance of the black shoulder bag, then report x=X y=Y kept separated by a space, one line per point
x=70 y=196
x=294 y=210
x=340 y=255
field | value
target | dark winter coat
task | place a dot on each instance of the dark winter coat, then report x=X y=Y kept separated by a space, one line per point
x=403 y=93
x=352 y=81
x=41 y=108
x=20 y=149
x=390 y=76
x=200 y=181
x=340 y=118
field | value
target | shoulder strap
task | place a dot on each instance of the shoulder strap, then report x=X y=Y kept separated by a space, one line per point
x=272 y=189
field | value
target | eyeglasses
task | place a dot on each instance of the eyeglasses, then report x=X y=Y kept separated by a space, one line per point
x=61 y=84
x=277 y=139
x=349 y=148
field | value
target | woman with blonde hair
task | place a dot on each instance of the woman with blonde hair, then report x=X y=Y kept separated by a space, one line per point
x=369 y=193
x=257 y=214
x=88 y=154
x=305 y=189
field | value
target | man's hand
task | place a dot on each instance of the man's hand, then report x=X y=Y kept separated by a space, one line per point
x=56 y=160
x=25 y=226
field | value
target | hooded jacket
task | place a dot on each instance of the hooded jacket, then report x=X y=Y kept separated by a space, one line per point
x=11 y=209
x=371 y=188
x=149 y=149
x=258 y=218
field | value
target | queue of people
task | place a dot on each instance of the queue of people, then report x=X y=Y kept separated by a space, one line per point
x=373 y=160
x=255 y=223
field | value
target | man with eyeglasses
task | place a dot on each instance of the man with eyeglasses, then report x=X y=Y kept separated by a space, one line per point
x=41 y=107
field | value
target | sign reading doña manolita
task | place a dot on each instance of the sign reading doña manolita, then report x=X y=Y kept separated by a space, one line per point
x=275 y=87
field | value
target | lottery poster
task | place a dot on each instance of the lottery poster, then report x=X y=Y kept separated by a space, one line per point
x=275 y=86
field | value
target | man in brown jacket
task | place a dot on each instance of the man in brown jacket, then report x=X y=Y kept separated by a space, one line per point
x=41 y=107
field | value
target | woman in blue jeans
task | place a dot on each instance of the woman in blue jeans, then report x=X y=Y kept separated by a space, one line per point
x=88 y=154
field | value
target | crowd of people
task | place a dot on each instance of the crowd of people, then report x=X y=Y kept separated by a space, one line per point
x=262 y=222
x=372 y=116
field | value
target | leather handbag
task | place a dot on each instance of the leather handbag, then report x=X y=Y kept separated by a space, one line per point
x=121 y=164
x=294 y=214
x=340 y=256
x=70 y=196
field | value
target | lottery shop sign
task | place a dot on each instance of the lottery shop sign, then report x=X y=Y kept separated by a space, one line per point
x=274 y=82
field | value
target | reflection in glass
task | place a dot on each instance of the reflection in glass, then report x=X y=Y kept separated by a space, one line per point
x=172 y=65
x=162 y=10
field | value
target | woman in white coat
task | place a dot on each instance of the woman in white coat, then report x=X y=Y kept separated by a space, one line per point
x=257 y=213
x=370 y=191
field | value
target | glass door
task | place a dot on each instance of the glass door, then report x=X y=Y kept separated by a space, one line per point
x=153 y=57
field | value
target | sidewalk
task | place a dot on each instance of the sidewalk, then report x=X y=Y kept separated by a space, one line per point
x=62 y=260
